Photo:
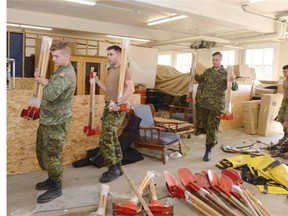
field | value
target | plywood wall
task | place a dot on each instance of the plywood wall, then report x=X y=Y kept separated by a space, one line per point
x=21 y=133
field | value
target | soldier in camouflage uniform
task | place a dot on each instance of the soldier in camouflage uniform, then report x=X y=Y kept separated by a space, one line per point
x=283 y=112
x=211 y=101
x=55 y=116
x=112 y=117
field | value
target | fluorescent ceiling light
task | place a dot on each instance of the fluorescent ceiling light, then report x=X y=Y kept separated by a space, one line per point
x=168 y=19
x=129 y=38
x=86 y=2
x=28 y=26
x=254 y=1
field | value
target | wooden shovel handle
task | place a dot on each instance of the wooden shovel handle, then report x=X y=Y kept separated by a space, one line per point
x=264 y=210
x=199 y=204
x=143 y=185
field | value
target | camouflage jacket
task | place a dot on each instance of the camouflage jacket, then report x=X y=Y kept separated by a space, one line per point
x=56 y=105
x=214 y=87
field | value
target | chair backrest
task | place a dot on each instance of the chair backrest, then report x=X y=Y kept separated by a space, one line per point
x=144 y=112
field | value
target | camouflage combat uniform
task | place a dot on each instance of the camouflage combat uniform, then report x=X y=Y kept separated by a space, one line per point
x=283 y=111
x=112 y=120
x=211 y=101
x=55 y=116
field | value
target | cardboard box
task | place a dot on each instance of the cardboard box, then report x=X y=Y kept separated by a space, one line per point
x=242 y=70
x=250 y=116
x=260 y=91
x=269 y=107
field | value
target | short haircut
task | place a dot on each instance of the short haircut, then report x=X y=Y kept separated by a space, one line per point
x=61 y=45
x=285 y=67
x=217 y=53
x=115 y=47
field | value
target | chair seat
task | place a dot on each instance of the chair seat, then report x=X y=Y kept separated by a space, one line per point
x=165 y=137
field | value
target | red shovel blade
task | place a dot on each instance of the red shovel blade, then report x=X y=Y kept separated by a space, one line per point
x=213 y=179
x=234 y=175
x=187 y=179
x=173 y=186
x=202 y=181
x=227 y=185
x=128 y=208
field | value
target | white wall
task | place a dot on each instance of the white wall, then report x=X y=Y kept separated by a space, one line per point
x=283 y=57
x=143 y=63
x=280 y=57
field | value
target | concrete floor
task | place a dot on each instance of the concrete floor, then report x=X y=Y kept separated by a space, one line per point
x=21 y=195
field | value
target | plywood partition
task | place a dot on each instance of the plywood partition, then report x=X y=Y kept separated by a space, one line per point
x=21 y=133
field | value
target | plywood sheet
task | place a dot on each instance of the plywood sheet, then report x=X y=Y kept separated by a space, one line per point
x=21 y=133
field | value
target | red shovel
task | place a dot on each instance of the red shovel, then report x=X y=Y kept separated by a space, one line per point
x=235 y=176
x=91 y=128
x=225 y=180
x=189 y=181
x=158 y=208
x=225 y=192
x=176 y=190
x=228 y=115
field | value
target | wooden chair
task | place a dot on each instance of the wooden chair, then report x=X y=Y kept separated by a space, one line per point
x=153 y=137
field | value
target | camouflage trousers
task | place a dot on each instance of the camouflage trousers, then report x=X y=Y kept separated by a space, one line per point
x=109 y=143
x=50 y=143
x=211 y=121
x=283 y=114
x=199 y=117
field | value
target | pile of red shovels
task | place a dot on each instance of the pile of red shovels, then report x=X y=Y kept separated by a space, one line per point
x=137 y=206
x=200 y=189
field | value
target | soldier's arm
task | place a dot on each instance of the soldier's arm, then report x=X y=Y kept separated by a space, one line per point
x=55 y=87
x=128 y=91
x=100 y=84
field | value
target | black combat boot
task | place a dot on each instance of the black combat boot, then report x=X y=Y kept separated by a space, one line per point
x=208 y=153
x=43 y=185
x=113 y=172
x=54 y=191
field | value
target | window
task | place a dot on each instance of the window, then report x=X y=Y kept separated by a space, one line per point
x=164 y=60
x=261 y=60
x=228 y=58
x=183 y=62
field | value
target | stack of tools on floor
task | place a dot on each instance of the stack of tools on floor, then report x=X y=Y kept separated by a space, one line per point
x=200 y=189
x=258 y=147
x=33 y=110
x=91 y=129
x=137 y=206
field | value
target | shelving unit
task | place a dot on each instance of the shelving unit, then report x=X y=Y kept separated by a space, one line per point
x=10 y=73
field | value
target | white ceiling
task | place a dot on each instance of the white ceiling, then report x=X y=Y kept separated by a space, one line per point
x=211 y=20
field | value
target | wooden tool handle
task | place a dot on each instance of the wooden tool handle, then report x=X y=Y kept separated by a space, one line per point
x=123 y=66
x=264 y=210
x=43 y=63
x=195 y=202
x=102 y=200
x=92 y=76
x=141 y=188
